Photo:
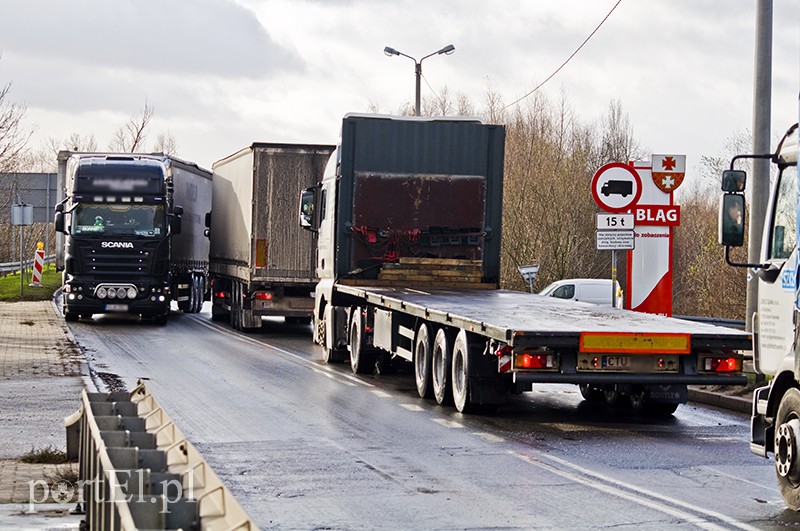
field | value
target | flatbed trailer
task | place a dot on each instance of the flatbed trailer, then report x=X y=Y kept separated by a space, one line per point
x=408 y=224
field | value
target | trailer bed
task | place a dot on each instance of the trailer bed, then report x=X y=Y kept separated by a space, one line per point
x=512 y=315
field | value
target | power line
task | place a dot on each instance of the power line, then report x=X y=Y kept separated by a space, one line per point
x=551 y=76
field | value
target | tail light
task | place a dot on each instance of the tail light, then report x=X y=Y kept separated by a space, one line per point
x=262 y=296
x=533 y=361
x=723 y=364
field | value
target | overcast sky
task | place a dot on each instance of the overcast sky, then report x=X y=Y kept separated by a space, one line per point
x=222 y=74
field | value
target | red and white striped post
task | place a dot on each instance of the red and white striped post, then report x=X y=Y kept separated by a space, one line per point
x=38 y=266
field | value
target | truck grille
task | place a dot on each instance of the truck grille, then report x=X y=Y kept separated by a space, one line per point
x=117 y=263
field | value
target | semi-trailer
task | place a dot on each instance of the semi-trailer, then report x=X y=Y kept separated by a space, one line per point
x=407 y=220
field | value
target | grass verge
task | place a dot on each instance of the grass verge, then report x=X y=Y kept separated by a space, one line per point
x=9 y=286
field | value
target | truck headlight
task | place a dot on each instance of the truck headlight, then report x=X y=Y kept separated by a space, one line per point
x=131 y=293
x=101 y=293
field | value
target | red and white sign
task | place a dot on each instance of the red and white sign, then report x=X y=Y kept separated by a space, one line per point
x=616 y=187
x=668 y=172
x=649 y=278
x=659 y=215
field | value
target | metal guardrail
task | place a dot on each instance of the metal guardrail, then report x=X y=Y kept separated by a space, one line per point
x=9 y=267
x=138 y=471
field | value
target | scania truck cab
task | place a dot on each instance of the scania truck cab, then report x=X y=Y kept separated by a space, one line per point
x=119 y=217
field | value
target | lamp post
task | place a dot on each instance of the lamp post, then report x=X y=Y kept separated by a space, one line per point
x=447 y=50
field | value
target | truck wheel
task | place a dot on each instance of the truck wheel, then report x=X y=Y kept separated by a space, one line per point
x=422 y=361
x=787 y=448
x=614 y=397
x=196 y=296
x=461 y=373
x=441 y=366
x=591 y=393
x=236 y=308
x=362 y=360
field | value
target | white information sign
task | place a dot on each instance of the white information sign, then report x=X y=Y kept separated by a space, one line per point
x=615 y=221
x=615 y=240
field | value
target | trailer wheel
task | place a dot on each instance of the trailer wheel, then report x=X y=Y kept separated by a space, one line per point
x=236 y=306
x=787 y=446
x=441 y=367
x=196 y=297
x=461 y=373
x=422 y=361
x=590 y=393
x=614 y=397
x=362 y=360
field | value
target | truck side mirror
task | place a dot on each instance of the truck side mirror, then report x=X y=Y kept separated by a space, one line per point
x=734 y=180
x=731 y=220
x=208 y=220
x=175 y=223
x=308 y=203
x=59 y=220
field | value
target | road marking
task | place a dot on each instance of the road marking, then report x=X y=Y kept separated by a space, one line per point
x=412 y=407
x=448 y=423
x=489 y=437
x=381 y=394
x=739 y=479
x=634 y=493
x=335 y=375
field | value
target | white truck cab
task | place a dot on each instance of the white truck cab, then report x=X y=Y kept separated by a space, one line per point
x=775 y=423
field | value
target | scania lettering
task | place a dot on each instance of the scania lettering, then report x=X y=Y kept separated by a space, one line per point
x=775 y=424
x=408 y=220
x=133 y=238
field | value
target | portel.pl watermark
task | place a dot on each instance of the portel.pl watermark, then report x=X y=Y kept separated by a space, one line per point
x=114 y=488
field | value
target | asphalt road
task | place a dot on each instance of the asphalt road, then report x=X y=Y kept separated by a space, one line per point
x=305 y=445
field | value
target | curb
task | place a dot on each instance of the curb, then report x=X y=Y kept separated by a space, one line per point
x=733 y=403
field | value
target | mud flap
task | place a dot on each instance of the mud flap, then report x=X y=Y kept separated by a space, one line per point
x=666 y=394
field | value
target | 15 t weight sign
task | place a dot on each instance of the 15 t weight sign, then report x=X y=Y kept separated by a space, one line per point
x=615 y=221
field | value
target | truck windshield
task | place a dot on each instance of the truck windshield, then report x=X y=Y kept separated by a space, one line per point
x=119 y=220
x=784 y=223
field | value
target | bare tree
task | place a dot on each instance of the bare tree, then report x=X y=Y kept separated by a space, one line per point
x=131 y=136
x=166 y=144
x=618 y=143
x=14 y=135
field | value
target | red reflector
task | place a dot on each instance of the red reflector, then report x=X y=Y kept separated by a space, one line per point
x=220 y=294
x=262 y=296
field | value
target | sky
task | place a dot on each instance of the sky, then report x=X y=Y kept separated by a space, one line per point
x=222 y=74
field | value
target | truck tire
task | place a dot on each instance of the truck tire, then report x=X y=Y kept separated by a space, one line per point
x=461 y=372
x=196 y=296
x=236 y=307
x=423 y=350
x=329 y=355
x=787 y=448
x=591 y=393
x=441 y=362
x=362 y=359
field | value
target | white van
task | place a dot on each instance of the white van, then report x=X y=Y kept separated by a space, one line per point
x=592 y=290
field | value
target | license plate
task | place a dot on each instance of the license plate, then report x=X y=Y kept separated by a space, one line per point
x=116 y=307
x=617 y=362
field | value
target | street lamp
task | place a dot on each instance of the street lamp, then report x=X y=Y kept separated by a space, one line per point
x=447 y=50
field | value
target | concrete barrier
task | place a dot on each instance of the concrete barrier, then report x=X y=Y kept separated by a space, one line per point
x=138 y=471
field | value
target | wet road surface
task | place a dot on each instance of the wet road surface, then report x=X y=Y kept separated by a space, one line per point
x=305 y=445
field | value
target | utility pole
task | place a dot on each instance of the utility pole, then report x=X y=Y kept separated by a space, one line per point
x=762 y=107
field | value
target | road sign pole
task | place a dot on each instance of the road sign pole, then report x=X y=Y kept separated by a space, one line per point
x=613 y=279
